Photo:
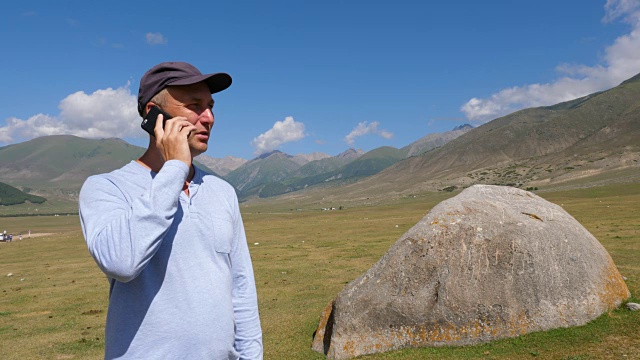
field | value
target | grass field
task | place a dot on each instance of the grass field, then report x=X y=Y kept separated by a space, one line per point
x=54 y=304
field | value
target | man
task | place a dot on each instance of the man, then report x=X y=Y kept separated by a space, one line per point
x=170 y=237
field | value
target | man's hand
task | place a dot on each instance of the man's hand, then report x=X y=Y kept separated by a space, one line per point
x=172 y=141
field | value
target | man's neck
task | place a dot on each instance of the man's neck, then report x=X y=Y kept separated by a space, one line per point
x=152 y=160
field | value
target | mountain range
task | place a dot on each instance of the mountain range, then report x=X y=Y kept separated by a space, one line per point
x=276 y=173
x=593 y=140
x=585 y=141
x=56 y=166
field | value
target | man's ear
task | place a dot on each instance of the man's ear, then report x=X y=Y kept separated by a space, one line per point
x=148 y=107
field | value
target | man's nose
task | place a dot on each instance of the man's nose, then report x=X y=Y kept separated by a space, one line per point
x=207 y=116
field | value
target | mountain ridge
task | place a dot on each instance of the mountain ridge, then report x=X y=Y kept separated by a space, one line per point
x=532 y=147
x=581 y=139
x=252 y=179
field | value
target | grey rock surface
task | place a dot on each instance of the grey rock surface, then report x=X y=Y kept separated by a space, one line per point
x=633 y=306
x=492 y=262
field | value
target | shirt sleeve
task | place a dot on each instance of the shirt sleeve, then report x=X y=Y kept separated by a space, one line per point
x=245 y=300
x=123 y=233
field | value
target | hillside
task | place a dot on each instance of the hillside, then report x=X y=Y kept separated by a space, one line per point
x=435 y=140
x=56 y=166
x=269 y=167
x=62 y=160
x=12 y=196
x=574 y=141
x=258 y=179
x=348 y=166
x=303 y=159
x=326 y=165
x=221 y=166
x=368 y=164
x=352 y=165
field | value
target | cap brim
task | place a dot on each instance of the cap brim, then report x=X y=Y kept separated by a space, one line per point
x=216 y=82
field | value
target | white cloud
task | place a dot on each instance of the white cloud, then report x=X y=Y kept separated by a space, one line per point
x=364 y=128
x=156 y=39
x=282 y=132
x=621 y=61
x=385 y=134
x=103 y=114
x=626 y=9
x=35 y=126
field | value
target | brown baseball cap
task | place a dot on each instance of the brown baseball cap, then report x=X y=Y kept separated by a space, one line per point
x=176 y=73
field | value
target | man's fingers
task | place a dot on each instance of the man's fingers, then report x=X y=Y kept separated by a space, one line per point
x=174 y=143
x=158 y=129
x=176 y=124
x=189 y=129
x=179 y=126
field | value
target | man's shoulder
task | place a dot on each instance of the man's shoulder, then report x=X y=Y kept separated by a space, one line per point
x=125 y=173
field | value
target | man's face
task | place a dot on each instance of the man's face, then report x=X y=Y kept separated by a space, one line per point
x=194 y=102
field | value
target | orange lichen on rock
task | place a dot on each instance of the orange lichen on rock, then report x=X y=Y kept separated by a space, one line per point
x=615 y=289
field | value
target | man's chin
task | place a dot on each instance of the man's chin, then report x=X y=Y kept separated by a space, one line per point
x=198 y=149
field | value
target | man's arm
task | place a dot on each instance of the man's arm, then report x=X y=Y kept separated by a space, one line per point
x=245 y=299
x=122 y=236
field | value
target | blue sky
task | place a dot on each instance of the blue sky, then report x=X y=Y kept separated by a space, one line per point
x=309 y=76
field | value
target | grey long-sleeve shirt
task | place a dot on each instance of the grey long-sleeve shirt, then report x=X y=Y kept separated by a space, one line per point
x=181 y=279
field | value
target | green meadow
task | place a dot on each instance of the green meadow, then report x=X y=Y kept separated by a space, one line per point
x=53 y=298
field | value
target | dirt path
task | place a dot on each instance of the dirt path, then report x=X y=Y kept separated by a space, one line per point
x=26 y=236
x=33 y=235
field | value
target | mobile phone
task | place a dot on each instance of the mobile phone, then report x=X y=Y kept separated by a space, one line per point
x=149 y=121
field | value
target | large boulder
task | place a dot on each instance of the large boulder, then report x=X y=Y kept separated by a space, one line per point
x=493 y=262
